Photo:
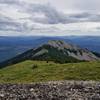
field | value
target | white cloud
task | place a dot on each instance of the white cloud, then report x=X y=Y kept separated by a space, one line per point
x=49 y=17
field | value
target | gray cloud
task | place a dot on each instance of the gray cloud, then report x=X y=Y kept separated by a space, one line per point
x=77 y=5
x=4 y=18
x=83 y=17
x=10 y=26
x=88 y=5
x=9 y=2
x=52 y=16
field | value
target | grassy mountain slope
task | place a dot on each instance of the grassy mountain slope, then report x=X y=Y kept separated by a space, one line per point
x=36 y=71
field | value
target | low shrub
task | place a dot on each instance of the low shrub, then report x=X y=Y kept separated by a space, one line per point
x=34 y=66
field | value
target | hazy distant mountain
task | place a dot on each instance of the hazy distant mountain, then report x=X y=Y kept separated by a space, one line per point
x=54 y=50
x=12 y=46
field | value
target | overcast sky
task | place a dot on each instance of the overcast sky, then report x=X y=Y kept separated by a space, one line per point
x=49 y=17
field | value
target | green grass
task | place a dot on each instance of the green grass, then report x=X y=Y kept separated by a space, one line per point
x=41 y=71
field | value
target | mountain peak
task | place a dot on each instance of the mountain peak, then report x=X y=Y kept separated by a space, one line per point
x=55 y=50
x=61 y=44
x=56 y=41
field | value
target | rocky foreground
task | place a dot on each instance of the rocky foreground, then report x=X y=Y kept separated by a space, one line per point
x=62 y=90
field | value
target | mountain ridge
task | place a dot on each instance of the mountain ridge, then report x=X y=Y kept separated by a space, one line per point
x=12 y=46
x=54 y=50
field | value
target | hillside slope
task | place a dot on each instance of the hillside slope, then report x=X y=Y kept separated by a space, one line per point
x=54 y=50
x=40 y=71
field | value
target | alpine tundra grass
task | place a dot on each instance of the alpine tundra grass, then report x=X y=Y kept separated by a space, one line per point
x=42 y=71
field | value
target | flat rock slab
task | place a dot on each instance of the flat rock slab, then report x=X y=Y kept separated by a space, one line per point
x=59 y=90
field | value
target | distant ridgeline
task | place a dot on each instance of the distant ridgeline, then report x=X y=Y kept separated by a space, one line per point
x=57 y=51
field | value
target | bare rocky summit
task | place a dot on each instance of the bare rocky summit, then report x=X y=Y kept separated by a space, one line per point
x=62 y=90
x=73 y=50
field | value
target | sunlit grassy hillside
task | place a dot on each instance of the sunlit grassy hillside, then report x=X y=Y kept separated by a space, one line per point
x=37 y=71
